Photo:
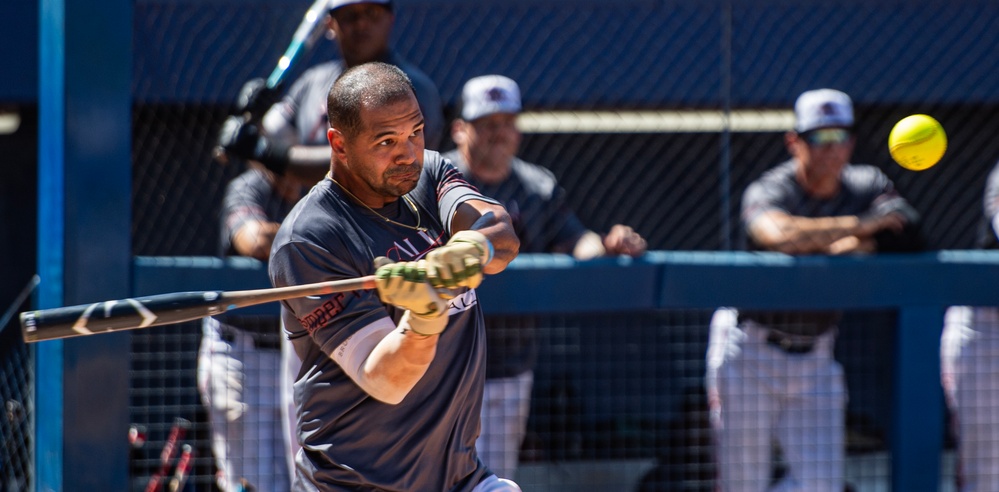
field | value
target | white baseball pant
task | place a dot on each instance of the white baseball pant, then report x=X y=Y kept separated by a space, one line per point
x=758 y=393
x=969 y=360
x=239 y=385
x=506 y=404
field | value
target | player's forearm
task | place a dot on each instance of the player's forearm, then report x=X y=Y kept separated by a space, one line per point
x=254 y=239
x=802 y=235
x=494 y=222
x=400 y=360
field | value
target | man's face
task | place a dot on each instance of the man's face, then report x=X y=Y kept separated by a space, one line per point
x=387 y=153
x=363 y=31
x=493 y=140
x=823 y=153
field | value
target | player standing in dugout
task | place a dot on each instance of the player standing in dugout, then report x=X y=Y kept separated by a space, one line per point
x=771 y=376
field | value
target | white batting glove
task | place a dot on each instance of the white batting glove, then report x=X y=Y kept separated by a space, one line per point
x=405 y=285
x=459 y=263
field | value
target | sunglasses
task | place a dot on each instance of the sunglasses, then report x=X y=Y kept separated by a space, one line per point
x=826 y=136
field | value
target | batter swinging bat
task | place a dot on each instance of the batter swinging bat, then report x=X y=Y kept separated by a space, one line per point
x=164 y=309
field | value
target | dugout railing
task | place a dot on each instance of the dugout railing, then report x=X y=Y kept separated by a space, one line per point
x=918 y=286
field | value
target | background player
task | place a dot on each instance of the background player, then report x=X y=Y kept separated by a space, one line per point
x=294 y=130
x=771 y=375
x=239 y=359
x=391 y=384
x=969 y=357
x=488 y=139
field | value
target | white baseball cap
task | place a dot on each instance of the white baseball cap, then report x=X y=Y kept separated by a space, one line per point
x=335 y=4
x=822 y=108
x=489 y=94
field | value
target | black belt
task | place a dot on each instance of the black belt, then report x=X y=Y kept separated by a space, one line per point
x=260 y=340
x=791 y=344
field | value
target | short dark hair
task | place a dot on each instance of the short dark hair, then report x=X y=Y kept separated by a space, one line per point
x=376 y=84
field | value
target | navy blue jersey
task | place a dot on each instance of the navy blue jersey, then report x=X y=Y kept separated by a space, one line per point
x=352 y=441
x=251 y=196
x=988 y=231
x=864 y=191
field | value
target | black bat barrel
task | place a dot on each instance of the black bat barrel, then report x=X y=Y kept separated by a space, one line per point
x=118 y=315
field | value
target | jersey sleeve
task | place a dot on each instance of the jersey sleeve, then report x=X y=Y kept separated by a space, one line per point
x=887 y=200
x=452 y=188
x=991 y=202
x=761 y=196
x=563 y=220
x=279 y=121
x=329 y=319
x=244 y=202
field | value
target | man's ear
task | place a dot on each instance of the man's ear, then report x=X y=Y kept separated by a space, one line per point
x=458 y=132
x=790 y=139
x=338 y=144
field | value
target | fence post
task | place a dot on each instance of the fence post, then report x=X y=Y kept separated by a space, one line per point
x=917 y=426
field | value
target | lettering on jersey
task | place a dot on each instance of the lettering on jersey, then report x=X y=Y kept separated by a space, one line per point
x=406 y=251
x=322 y=315
x=342 y=349
x=463 y=302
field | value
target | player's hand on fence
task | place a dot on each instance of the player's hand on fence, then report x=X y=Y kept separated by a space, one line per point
x=405 y=285
x=623 y=240
x=459 y=263
x=240 y=138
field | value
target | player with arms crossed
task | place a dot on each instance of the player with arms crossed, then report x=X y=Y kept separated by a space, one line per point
x=771 y=375
x=969 y=363
x=391 y=381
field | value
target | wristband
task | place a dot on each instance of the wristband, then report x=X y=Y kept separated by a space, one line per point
x=492 y=252
x=437 y=325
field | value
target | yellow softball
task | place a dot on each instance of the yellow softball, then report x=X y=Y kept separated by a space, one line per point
x=917 y=142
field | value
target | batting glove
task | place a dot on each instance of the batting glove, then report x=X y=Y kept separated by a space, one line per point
x=459 y=263
x=255 y=98
x=405 y=285
x=241 y=138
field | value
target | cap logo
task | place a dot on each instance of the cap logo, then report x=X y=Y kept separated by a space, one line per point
x=828 y=109
x=496 y=94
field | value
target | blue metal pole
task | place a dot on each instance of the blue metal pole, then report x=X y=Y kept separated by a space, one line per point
x=918 y=418
x=48 y=356
x=85 y=104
